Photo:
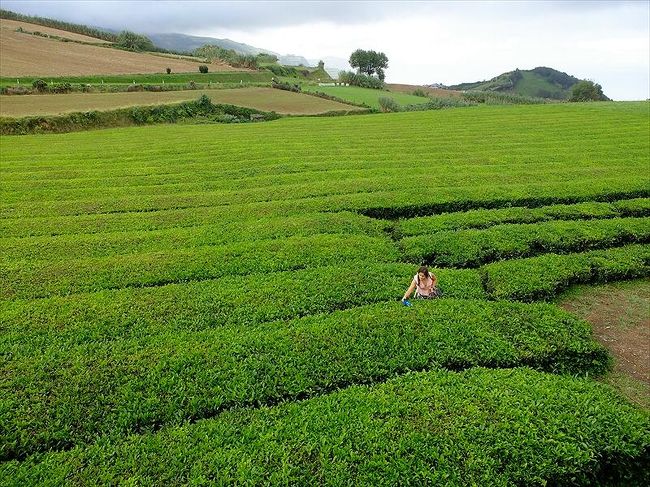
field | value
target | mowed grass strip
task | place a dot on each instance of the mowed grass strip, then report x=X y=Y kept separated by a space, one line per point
x=366 y=96
x=425 y=225
x=477 y=427
x=217 y=77
x=104 y=244
x=471 y=248
x=260 y=98
x=22 y=280
x=38 y=326
x=69 y=396
x=545 y=276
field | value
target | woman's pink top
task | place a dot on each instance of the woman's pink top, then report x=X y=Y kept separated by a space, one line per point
x=424 y=287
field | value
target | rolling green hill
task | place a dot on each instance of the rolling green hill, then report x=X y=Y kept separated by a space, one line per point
x=541 y=82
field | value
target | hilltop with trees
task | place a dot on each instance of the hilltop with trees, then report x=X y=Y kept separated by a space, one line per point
x=541 y=82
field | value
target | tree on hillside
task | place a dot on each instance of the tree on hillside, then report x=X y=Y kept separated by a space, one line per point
x=369 y=62
x=134 y=42
x=587 y=91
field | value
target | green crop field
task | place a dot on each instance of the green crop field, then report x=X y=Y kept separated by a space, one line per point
x=366 y=96
x=220 y=304
x=153 y=79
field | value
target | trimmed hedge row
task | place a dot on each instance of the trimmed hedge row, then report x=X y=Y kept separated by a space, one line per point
x=68 y=396
x=36 y=327
x=471 y=248
x=29 y=280
x=363 y=195
x=122 y=117
x=637 y=207
x=65 y=247
x=545 y=276
x=478 y=427
x=174 y=210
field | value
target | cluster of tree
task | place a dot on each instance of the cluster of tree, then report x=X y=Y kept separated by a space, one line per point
x=587 y=91
x=229 y=56
x=58 y=24
x=134 y=42
x=556 y=77
x=369 y=63
x=267 y=58
x=362 y=80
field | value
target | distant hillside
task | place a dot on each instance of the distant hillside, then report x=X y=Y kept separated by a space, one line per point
x=187 y=43
x=540 y=82
x=60 y=53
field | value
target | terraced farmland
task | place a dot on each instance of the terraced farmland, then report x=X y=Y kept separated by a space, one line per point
x=265 y=99
x=219 y=304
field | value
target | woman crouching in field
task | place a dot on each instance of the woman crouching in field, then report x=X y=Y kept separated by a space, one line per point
x=426 y=285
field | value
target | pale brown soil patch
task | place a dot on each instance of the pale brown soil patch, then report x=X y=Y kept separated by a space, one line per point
x=12 y=25
x=620 y=318
x=265 y=99
x=402 y=88
x=29 y=55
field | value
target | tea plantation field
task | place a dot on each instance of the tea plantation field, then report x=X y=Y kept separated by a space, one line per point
x=219 y=304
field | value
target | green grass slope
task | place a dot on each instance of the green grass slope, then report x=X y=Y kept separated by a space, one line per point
x=365 y=96
x=539 y=82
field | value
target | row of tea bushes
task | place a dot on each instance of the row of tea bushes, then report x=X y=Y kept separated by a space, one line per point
x=543 y=277
x=35 y=326
x=483 y=218
x=471 y=248
x=91 y=216
x=477 y=427
x=29 y=280
x=373 y=197
x=220 y=232
x=69 y=395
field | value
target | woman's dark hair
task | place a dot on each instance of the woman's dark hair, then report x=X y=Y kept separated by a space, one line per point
x=424 y=270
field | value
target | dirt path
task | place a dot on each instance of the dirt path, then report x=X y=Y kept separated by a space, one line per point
x=620 y=316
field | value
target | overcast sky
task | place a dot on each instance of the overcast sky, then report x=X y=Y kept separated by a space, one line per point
x=426 y=42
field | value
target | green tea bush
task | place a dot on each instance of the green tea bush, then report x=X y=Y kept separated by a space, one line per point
x=76 y=246
x=43 y=279
x=482 y=218
x=134 y=385
x=463 y=248
x=58 y=323
x=203 y=68
x=543 y=277
x=477 y=427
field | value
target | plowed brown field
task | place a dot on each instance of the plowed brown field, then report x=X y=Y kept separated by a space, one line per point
x=23 y=54
x=12 y=25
